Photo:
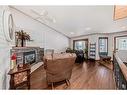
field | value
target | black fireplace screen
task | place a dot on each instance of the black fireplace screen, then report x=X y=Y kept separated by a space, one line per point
x=29 y=57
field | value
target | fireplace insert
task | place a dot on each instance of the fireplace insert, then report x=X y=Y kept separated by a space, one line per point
x=29 y=57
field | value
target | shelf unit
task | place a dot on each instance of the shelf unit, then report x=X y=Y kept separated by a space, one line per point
x=92 y=52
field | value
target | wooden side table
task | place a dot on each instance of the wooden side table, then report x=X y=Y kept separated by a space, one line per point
x=20 y=76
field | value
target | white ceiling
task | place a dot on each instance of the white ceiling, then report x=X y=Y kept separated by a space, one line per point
x=78 y=20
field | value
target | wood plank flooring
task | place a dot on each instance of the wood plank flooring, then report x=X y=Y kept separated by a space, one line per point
x=88 y=75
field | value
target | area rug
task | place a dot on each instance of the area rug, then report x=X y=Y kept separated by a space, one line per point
x=107 y=65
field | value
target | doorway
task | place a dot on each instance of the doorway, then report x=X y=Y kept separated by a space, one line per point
x=81 y=44
x=120 y=43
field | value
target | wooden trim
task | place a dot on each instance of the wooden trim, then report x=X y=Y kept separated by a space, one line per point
x=122 y=36
x=114 y=44
x=114 y=13
x=81 y=40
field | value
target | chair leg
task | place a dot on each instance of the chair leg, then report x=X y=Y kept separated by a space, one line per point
x=67 y=82
x=52 y=85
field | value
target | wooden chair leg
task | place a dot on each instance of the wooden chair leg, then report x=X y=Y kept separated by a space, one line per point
x=52 y=85
x=67 y=82
x=28 y=85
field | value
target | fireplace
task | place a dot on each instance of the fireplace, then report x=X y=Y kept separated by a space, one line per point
x=29 y=57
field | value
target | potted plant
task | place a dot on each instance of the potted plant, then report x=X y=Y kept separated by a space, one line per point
x=69 y=50
x=86 y=53
x=22 y=37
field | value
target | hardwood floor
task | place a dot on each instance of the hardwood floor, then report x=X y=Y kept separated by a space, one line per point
x=88 y=75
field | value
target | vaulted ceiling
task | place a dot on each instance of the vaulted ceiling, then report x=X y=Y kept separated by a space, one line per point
x=76 y=20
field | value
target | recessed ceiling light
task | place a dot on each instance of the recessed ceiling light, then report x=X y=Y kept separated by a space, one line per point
x=88 y=28
x=41 y=12
x=123 y=27
x=72 y=32
x=54 y=20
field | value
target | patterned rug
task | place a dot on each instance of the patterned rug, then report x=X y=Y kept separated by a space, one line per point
x=107 y=65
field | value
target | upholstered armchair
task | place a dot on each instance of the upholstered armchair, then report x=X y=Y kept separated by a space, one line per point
x=59 y=67
x=80 y=56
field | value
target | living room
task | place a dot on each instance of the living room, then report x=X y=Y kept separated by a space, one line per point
x=60 y=30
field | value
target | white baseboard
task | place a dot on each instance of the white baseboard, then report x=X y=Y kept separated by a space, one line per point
x=34 y=67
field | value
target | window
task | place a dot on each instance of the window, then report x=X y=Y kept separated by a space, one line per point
x=121 y=43
x=103 y=44
x=80 y=44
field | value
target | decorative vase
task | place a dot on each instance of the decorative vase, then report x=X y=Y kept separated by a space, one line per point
x=23 y=43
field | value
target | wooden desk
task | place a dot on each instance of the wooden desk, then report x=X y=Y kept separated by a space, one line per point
x=20 y=76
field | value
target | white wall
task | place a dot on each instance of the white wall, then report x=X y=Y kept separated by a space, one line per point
x=94 y=39
x=5 y=55
x=42 y=36
x=55 y=41
x=30 y=26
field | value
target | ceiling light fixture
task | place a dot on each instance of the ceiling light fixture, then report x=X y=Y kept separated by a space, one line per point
x=123 y=27
x=43 y=15
x=72 y=32
x=88 y=28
